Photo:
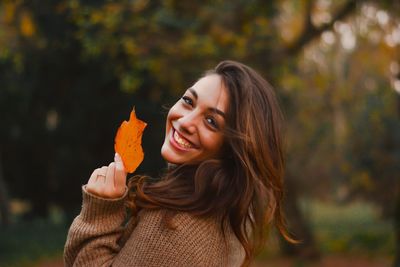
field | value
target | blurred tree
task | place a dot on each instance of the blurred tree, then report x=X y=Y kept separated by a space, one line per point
x=4 y=200
x=352 y=142
x=397 y=188
x=71 y=70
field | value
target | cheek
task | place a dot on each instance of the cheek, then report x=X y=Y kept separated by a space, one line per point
x=174 y=113
x=212 y=142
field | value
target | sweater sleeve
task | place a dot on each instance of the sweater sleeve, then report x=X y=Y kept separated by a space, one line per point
x=93 y=236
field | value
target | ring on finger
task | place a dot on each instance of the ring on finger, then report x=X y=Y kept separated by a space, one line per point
x=100 y=175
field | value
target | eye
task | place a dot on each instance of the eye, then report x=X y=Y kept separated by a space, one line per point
x=212 y=122
x=187 y=100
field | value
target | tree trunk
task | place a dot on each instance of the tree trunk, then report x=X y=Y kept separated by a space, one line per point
x=4 y=201
x=298 y=226
x=397 y=211
x=397 y=230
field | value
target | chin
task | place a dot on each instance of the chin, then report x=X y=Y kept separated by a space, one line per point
x=166 y=155
x=169 y=156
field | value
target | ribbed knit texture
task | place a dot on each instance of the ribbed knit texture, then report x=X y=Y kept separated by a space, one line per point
x=97 y=237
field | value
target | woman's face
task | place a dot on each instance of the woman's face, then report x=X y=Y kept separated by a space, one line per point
x=194 y=127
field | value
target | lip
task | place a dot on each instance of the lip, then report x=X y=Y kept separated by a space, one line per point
x=176 y=145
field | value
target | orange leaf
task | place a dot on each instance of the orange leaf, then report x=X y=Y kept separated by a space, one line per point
x=128 y=142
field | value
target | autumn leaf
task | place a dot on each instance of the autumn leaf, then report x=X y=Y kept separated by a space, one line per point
x=128 y=142
x=27 y=26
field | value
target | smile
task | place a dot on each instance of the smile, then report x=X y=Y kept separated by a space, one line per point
x=181 y=141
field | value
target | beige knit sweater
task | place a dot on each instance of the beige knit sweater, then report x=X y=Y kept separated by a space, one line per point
x=99 y=237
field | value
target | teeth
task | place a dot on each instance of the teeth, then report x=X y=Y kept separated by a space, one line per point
x=181 y=141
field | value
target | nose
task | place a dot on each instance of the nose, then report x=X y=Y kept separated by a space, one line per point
x=187 y=123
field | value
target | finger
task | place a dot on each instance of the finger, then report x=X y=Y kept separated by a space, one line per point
x=93 y=177
x=92 y=185
x=101 y=175
x=104 y=170
x=110 y=177
x=120 y=174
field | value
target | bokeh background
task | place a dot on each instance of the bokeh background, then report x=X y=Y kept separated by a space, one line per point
x=71 y=71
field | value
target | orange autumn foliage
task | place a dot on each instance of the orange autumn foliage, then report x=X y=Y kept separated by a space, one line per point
x=128 y=142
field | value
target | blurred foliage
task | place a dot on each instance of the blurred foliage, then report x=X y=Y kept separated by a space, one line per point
x=71 y=71
x=344 y=129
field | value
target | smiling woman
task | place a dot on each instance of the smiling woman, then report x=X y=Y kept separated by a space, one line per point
x=195 y=123
x=222 y=191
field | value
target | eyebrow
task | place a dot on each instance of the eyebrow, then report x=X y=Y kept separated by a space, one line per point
x=215 y=110
x=194 y=93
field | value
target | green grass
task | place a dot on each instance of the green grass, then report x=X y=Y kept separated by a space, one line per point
x=354 y=227
x=23 y=243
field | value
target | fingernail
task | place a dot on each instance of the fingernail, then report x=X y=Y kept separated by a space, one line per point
x=117 y=157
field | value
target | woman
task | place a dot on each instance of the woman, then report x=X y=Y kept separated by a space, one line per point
x=221 y=192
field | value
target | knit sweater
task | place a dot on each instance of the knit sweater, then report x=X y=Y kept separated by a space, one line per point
x=99 y=237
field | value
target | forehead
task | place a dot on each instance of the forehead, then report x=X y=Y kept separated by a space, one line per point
x=211 y=92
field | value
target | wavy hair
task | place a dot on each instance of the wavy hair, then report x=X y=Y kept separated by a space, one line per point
x=243 y=188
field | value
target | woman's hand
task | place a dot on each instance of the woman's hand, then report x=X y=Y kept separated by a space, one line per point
x=108 y=182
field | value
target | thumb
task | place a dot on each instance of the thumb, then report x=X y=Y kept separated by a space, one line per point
x=120 y=173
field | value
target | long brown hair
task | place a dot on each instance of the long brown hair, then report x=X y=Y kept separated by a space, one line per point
x=244 y=188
